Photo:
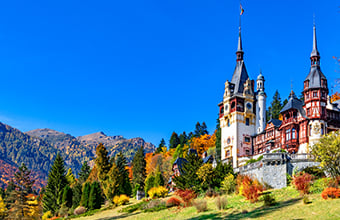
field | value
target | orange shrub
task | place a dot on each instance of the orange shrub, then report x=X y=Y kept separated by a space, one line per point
x=330 y=192
x=173 y=201
x=251 y=189
x=302 y=182
x=186 y=195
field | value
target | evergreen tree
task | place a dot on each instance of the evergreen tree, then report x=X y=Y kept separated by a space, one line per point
x=139 y=168
x=276 y=105
x=84 y=172
x=2 y=193
x=174 y=140
x=149 y=183
x=70 y=177
x=112 y=183
x=77 y=192
x=200 y=129
x=160 y=146
x=124 y=183
x=218 y=140
x=95 y=198
x=102 y=162
x=20 y=205
x=85 y=195
x=183 y=138
x=178 y=153
x=189 y=179
x=56 y=182
x=159 y=180
x=67 y=196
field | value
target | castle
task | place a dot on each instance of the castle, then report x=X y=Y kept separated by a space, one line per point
x=245 y=134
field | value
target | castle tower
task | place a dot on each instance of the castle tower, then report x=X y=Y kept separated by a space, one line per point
x=315 y=95
x=260 y=104
x=237 y=112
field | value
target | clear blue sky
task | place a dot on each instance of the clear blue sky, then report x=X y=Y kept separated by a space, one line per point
x=146 y=68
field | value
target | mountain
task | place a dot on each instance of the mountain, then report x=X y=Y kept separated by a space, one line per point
x=38 y=148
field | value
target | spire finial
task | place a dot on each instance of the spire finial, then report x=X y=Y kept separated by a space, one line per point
x=315 y=53
x=239 y=52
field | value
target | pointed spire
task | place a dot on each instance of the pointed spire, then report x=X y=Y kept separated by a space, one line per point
x=315 y=51
x=239 y=52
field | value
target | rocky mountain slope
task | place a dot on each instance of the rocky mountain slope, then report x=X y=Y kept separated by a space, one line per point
x=38 y=148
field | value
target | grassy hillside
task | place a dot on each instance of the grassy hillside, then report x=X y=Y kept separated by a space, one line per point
x=289 y=206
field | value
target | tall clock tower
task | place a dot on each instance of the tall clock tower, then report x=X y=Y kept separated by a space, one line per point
x=315 y=95
x=237 y=113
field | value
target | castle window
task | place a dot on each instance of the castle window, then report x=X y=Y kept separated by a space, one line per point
x=315 y=94
x=287 y=134
x=310 y=130
x=247 y=139
x=232 y=105
x=228 y=122
x=247 y=152
x=227 y=153
x=308 y=111
x=293 y=134
x=247 y=121
x=323 y=94
x=322 y=129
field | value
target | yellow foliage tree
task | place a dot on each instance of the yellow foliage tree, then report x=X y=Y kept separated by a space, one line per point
x=335 y=96
x=203 y=143
x=2 y=208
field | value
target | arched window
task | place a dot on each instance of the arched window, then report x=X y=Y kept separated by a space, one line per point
x=228 y=121
x=287 y=134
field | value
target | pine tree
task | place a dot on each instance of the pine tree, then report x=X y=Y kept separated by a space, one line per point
x=149 y=183
x=85 y=195
x=77 y=192
x=218 y=140
x=70 y=177
x=124 y=185
x=102 y=162
x=200 y=129
x=138 y=169
x=95 y=198
x=159 y=180
x=111 y=183
x=174 y=140
x=160 y=146
x=20 y=206
x=84 y=172
x=67 y=196
x=188 y=178
x=276 y=105
x=56 y=182
x=183 y=138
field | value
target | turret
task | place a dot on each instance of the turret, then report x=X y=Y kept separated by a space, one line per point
x=260 y=104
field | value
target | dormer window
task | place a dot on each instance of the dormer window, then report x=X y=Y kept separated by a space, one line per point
x=315 y=94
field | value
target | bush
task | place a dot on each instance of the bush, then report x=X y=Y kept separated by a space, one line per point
x=173 y=201
x=289 y=179
x=158 y=192
x=334 y=182
x=330 y=192
x=315 y=171
x=135 y=189
x=221 y=203
x=251 y=189
x=149 y=183
x=47 y=215
x=200 y=205
x=186 y=195
x=302 y=182
x=228 y=184
x=319 y=185
x=121 y=200
x=154 y=206
x=268 y=200
x=79 y=210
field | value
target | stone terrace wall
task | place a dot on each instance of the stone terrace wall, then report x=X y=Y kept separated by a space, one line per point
x=273 y=168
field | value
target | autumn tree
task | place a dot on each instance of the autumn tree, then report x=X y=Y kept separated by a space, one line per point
x=20 y=206
x=111 y=184
x=174 y=140
x=327 y=153
x=159 y=180
x=203 y=143
x=138 y=169
x=124 y=182
x=56 y=182
x=3 y=208
x=70 y=177
x=200 y=129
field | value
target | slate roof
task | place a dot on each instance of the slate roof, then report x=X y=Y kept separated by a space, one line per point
x=180 y=161
x=315 y=75
x=240 y=77
x=294 y=103
x=276 y=122
x=207 y=159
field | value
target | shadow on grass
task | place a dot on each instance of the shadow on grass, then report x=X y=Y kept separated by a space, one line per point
x=125 y=215
x=258 y=212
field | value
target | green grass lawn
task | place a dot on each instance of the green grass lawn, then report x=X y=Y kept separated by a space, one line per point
x=289 y=206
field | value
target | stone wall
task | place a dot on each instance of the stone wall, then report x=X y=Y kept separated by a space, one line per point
x=273 y=168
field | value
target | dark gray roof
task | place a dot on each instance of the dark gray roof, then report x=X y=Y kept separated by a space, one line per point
x=180 y=161
x=192 y=151
x=294 y=103
x=240 y=77
x=315 y=52
x=276 y=122
x=315 y=75
x=208 y=159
